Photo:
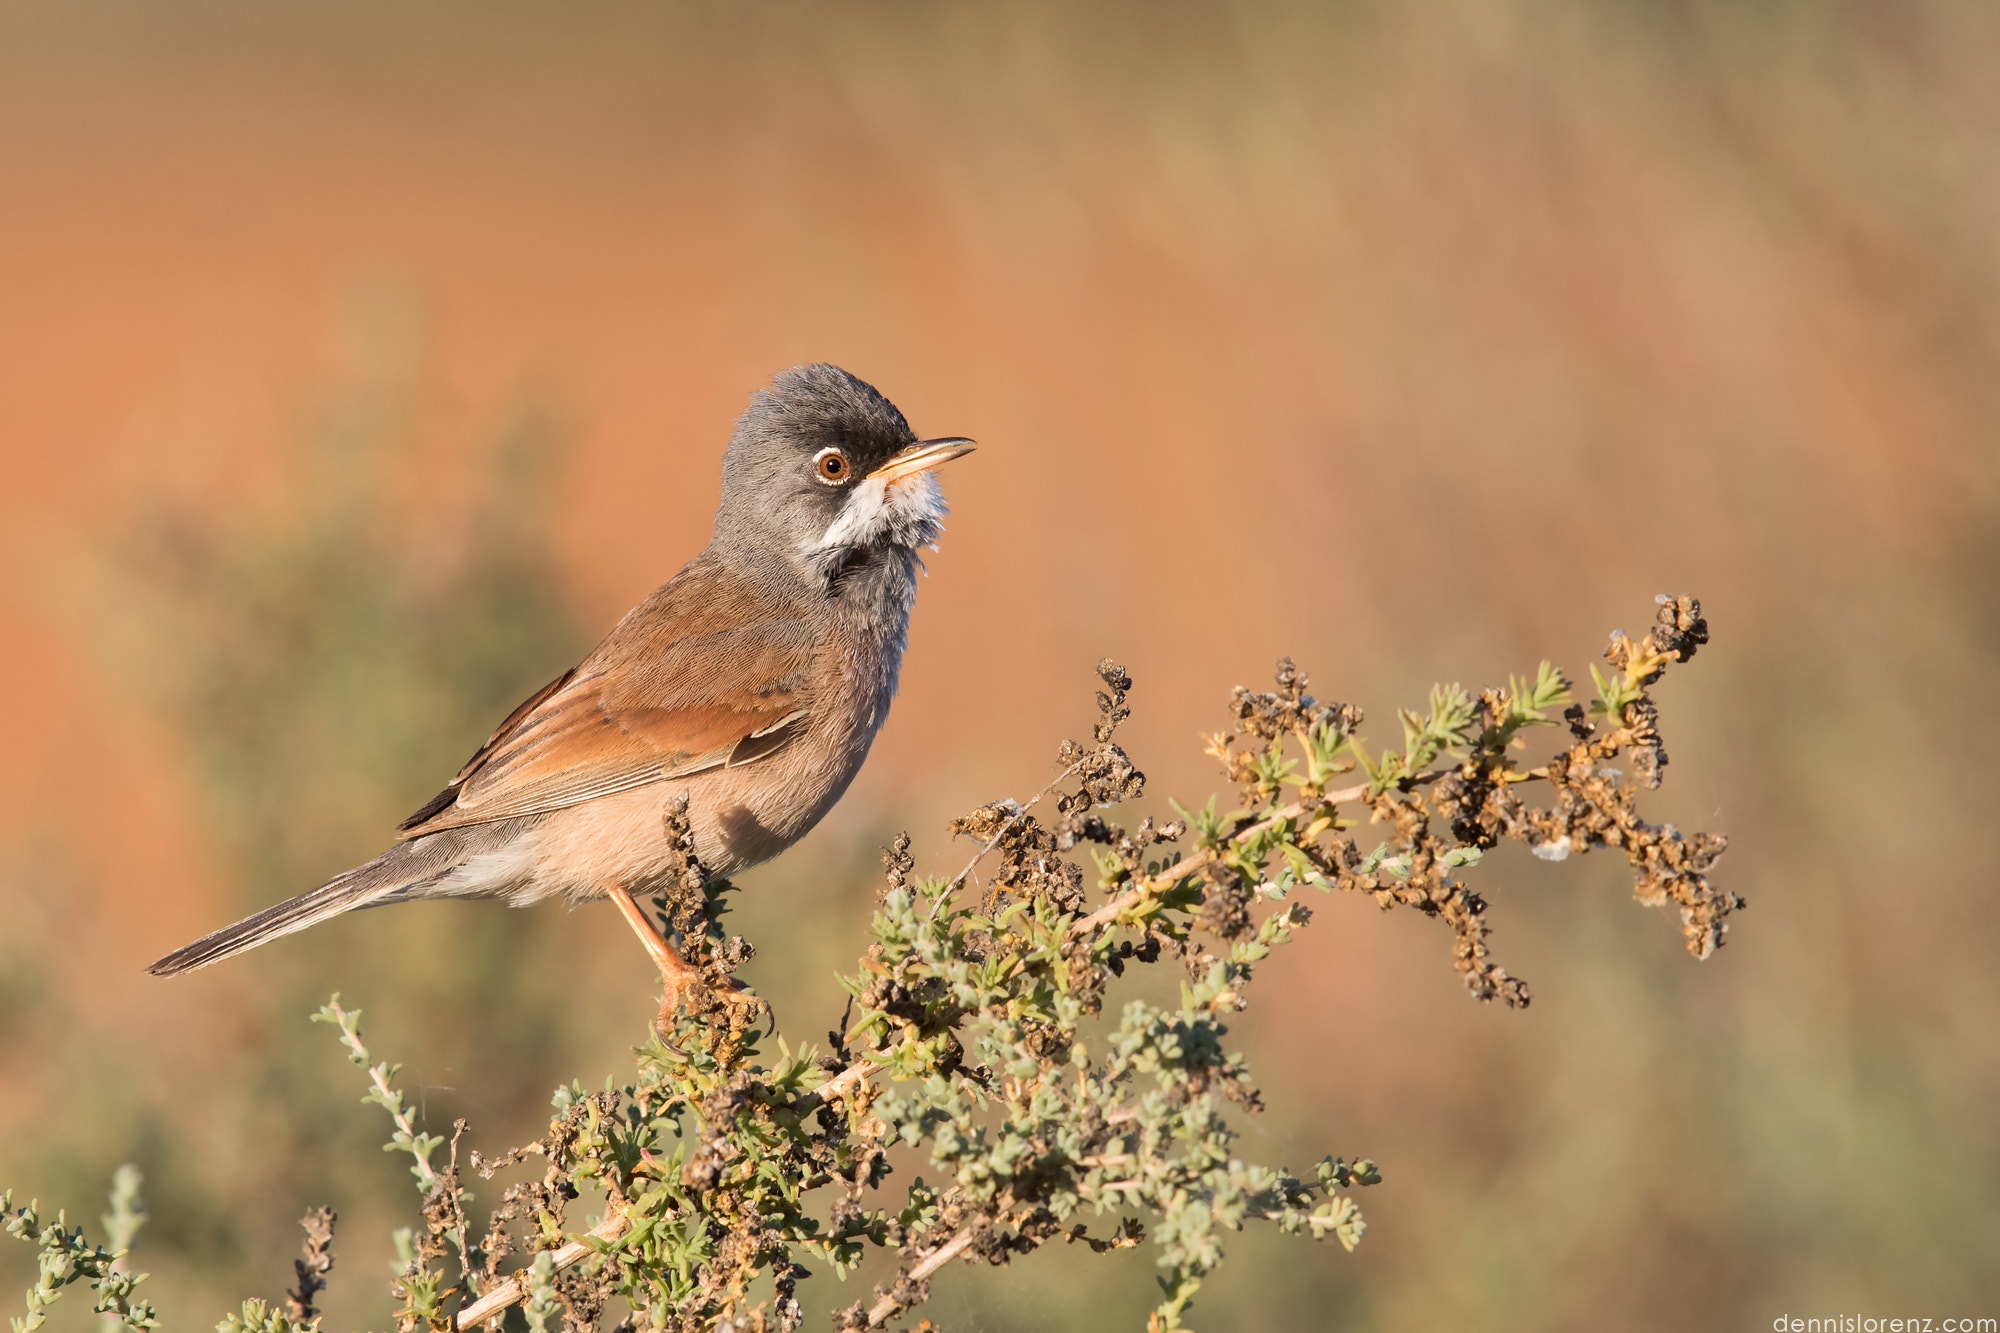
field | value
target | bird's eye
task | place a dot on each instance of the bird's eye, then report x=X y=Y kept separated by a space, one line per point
x=831 y=466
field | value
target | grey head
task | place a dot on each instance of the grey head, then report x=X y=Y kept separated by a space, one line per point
x=825 y=481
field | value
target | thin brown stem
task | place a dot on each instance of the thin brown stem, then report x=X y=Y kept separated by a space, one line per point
x=510 y=1292
x=1148 y=885
x=885 y=1309
x=1005 y=829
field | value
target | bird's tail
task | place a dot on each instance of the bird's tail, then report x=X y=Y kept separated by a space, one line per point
x=396 y=872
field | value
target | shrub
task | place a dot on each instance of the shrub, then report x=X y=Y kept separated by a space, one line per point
x=981 y=1029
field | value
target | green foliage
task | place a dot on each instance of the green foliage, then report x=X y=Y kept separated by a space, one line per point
x=128 y=1210
x=382 y=1093
x=256 y=1317
x=983 y=1035
x=66 y=1257
x=543 y=1304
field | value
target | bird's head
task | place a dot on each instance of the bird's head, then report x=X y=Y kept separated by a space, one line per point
x=823 y=467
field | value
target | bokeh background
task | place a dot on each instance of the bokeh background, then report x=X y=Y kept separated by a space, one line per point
x=360 y=363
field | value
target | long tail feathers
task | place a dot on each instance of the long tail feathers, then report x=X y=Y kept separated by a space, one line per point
x=360 y=887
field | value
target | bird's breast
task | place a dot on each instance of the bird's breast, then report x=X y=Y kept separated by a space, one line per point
x=740 y=815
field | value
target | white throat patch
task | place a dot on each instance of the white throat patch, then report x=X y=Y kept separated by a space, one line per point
x=906 y=512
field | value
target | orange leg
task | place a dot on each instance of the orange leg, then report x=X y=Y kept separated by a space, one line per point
x=671 y=964
x=676 y=972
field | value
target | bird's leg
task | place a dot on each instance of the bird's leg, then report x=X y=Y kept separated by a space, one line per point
x=677 y=974
x=675 y=970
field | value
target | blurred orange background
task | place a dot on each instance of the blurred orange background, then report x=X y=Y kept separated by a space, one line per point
x=1416 y=342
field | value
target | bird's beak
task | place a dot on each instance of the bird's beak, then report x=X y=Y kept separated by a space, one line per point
x=921 y=457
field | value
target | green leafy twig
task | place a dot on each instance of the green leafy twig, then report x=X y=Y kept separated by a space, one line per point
x=382 y=1092
x=122 y=1224
x=256 y=1316
x=424 y=1289
x=67 y=1258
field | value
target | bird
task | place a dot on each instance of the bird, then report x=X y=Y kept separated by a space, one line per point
x=749 y=685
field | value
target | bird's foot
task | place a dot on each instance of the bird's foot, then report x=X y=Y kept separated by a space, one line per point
x=686 y=988
x=681 y=982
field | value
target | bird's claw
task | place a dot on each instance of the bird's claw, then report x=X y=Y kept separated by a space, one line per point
x=675 y=991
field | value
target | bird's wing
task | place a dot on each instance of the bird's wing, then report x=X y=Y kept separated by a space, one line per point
x=669 y=693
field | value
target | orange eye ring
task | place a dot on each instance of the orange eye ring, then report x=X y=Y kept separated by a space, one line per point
x=831 y=467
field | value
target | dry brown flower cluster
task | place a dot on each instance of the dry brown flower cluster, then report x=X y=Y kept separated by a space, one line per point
x=1475 y=797
x=311 y=1267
